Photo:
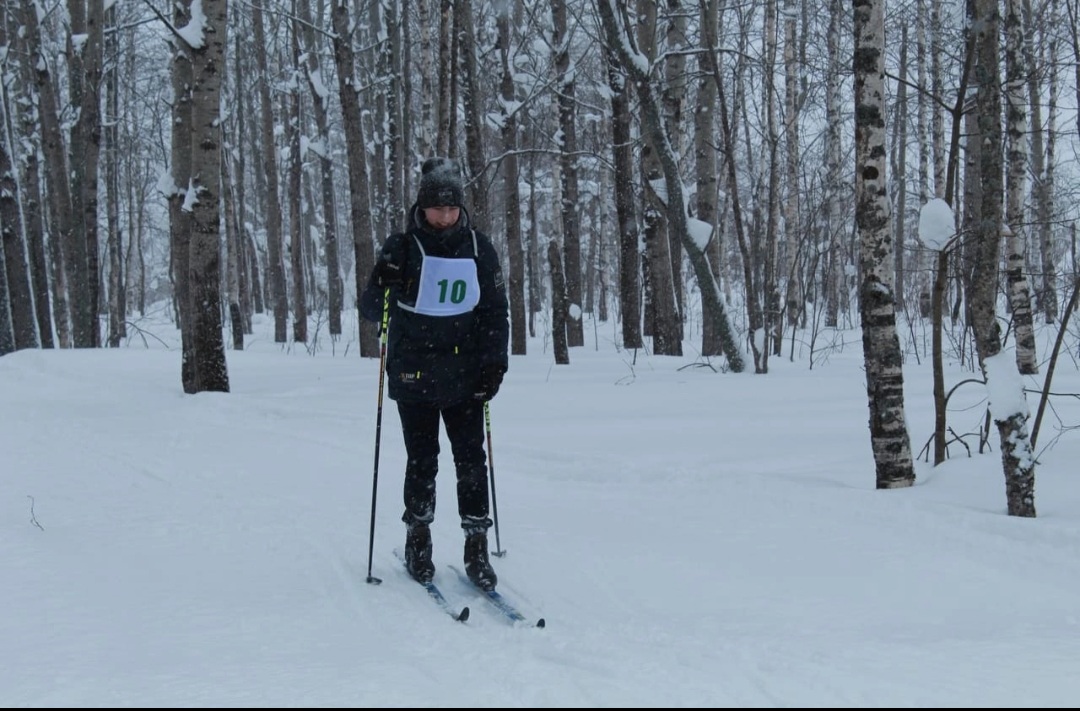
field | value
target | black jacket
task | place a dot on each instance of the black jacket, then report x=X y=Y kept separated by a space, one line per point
x=438 y=359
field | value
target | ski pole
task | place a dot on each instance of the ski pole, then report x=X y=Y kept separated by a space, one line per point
x=378 y=431
x=499 y=552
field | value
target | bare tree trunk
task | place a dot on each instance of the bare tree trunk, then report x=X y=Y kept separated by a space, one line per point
x=834 y=228
x=180 y=218
x=792 y=215
x=924 y=105
x=1041 y=194
x=117 y=286
x=246 y=266
x=1017 y=458
x=672 y=98
x=662 y=320
x=472 y=104
x=84 y=60
x=705 y=168
x=251 y=252
x=629 y=238
x=393 y=120
x=204 y=272
x=444 y=75
x=558 y=310
x=297 y=236
x=233 y=252
x=533 y=262
x=1016 y=117
x=275 y=267
x=937 y=88
x=91 y=113
x=899 y=182
x=1050 y=265
x=18 y=293
x=881 y=344
x=568 y=170
x=511 y=195
x=334 y=287
x=770 y=259
x=29 y=131
x=355 y=149
x=7 y=334
x=58 y=185
x=426 y=131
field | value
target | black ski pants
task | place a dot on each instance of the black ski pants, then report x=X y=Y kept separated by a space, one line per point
x=464 y=423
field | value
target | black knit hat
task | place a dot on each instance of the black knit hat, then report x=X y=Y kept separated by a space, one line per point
x=440 y=184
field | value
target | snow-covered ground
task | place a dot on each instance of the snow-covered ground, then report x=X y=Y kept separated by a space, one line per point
x=692 y=537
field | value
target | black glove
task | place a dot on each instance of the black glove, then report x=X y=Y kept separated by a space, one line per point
x=491 y=377
x=386 y=274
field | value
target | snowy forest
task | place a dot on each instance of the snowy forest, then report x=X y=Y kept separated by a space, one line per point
x=729 y=177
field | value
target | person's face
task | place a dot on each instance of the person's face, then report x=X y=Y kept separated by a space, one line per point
x=441 y=217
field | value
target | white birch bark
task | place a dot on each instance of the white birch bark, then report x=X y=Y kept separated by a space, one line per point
x=881 y=345
x=1019 y=293
x=1007 y=405
x=1041 y=196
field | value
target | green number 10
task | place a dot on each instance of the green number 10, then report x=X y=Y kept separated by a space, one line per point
x=457 y=291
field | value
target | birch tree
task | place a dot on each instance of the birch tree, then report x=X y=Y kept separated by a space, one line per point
x=1019 y=294
x=835 y=291
x=881 y=345
x=1042 y=175
x=1007 y=404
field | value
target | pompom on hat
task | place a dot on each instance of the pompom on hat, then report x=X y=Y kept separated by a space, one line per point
x=440 y=184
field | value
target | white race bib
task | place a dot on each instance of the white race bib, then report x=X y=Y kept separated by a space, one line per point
x=448 y=287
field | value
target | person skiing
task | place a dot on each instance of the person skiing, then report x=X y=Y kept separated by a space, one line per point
x=446 y=357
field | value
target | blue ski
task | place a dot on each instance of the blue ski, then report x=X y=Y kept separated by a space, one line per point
x=436 y=595
x=500 y=603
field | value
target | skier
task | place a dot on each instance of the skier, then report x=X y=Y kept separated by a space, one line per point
x=446 y=357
